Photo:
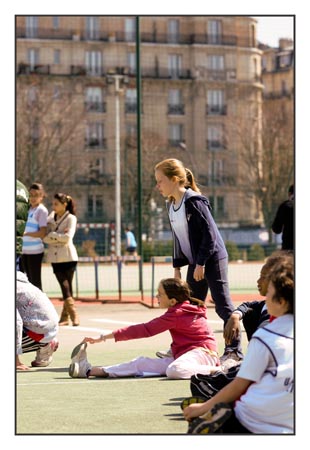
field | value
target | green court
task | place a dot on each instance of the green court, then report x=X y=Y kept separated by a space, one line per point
x=48 y=401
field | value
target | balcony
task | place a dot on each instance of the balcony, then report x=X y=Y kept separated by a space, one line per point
x=123 y=36
x=176 y=109
x=28 y=69
x=215 y=145
x=95 y=143
x=216 y=110
x=96 y=107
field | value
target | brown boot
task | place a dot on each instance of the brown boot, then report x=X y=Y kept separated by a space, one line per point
x=72 y=311
x=64 y=318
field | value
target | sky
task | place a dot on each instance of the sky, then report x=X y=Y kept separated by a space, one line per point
x=271 y=28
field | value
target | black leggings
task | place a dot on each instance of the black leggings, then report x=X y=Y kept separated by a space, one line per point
x=31 y=265
x=64 y=273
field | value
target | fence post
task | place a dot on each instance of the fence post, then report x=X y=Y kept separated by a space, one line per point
x=119 y=273
x=153 y=273
x=96 y=279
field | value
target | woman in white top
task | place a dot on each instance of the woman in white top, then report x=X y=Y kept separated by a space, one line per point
x=35 y=230
x=62 y=253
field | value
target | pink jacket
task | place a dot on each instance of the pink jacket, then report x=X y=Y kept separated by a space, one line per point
x=186 y=323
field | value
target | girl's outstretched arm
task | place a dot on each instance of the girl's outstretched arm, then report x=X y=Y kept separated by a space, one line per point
x=101 y=338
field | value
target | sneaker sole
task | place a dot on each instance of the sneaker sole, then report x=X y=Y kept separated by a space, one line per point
x=190 y=400
x=74 y=370
x=78 y=349
x=209 y=424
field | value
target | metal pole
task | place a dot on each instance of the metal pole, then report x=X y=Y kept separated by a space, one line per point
x=117 y=172
x=139 y=152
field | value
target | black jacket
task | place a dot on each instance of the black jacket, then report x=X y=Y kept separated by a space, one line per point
x=284 y=223
x=204 y=236
x=253 y=315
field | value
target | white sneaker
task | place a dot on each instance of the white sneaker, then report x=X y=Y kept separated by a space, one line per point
x=228 y=360
x=45 y=354
x=79 y=365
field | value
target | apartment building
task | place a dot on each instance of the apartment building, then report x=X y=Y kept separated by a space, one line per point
x=201 y=80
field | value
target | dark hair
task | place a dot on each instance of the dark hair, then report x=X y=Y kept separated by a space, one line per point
x=179 y=290
x=291 y=189
x=276 y=257
x=282 y=277
x=38 y=187
x=63 y=198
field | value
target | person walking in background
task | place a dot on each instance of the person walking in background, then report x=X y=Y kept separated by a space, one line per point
x=35 y=230
x=197 y=243
x=284 y=221
x=36 y=324
x=260 y=399
x=194 y=345
x=62 y=254
x=131 y=243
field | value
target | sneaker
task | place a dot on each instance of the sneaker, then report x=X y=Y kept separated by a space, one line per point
x=79 y=366
x=229 y=359
x=210 y=422
x=190 y=400
x=164 y=353
x=45 y=354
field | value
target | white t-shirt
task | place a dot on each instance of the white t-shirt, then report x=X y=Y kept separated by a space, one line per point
x=267 y=406
x=180 y=227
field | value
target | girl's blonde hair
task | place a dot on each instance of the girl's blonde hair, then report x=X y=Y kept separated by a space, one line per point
x=175 y=168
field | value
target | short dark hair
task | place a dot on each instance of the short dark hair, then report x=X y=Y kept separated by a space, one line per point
x=291 y=189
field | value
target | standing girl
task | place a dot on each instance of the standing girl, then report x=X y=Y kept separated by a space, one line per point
x=62 y=253
x=193 y=347
x=35 y=230
x=197 y=243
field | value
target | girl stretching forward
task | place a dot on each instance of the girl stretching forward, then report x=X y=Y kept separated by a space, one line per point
x=194 y=347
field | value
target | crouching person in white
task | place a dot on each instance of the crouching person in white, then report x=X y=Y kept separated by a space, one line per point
x=36 y=324
x=194 y=347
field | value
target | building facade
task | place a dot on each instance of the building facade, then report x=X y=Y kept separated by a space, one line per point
x=201 y=82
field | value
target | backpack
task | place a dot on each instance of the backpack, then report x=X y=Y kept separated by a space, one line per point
x=207 y=386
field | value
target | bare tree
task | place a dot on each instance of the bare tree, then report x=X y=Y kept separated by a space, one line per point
x=267 y=157
x=48 y=130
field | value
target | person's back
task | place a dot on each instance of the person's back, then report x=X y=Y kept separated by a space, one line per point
x=284 y=221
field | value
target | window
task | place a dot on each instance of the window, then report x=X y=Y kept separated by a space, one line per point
x=131 y=135
x=130 y=29
x=93 y=61
x=31 y=26
x=215 y=171
x=55 y=22
x=214 y=31
x=131 y=62
x=175 y=104
x=94 y=100
x=173 y=31
x=96 y=168
x=215 y=137
x=175 y=134
x=32 y=96
x=131 y=101
x=174 y=65
x=95 y=205
x=92 y=28
x=33 y=57
x=218 y=206
x=56 y=56
x=56 y=92
x=216 y=102
x=215 y=62
x=94 y=135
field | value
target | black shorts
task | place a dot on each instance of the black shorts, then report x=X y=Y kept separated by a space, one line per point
x=131 y=249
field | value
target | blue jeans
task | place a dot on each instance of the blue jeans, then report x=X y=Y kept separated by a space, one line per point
x=217 y=280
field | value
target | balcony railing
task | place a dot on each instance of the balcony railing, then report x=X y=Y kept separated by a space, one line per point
x=27 y=69
x=215 y=144
x=216 y=110
x=96 y=143
x=176 y=109
x=99 y=107
x=123 y=36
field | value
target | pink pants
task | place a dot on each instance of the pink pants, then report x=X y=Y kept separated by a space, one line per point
x=194 y=361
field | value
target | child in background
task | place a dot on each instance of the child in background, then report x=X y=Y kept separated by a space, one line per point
x=260 y=399
x=194 y=347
